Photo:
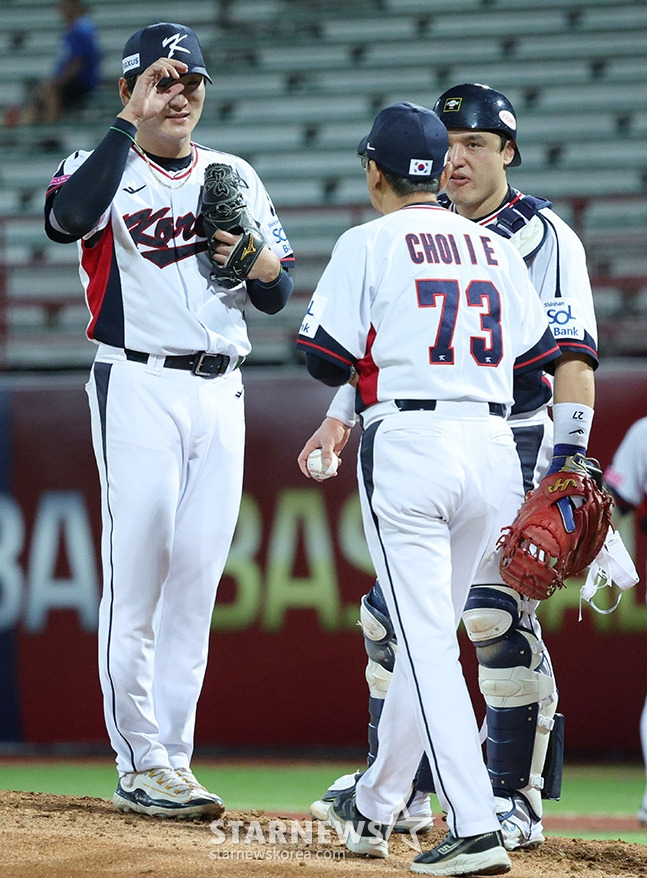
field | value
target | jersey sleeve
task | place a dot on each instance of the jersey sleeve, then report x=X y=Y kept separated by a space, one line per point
x=52 y=228
x=627 y=474
x=560 y=275
x=337 y=322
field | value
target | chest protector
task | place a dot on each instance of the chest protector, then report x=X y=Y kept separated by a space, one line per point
x=520 y=222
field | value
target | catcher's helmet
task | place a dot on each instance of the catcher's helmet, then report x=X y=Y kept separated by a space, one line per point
x=480 y=107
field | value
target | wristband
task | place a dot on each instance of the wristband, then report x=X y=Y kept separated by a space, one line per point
x=572 y=424
x=560 y=453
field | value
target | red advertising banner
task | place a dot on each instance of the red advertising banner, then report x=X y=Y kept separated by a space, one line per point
x=287 y=660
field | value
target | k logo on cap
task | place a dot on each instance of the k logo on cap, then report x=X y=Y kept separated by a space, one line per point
x=163 y=40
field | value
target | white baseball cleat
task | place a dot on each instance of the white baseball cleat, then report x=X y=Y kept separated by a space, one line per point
x=162 y=792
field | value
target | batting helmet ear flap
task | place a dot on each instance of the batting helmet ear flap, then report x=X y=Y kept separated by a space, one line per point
x=480 y=108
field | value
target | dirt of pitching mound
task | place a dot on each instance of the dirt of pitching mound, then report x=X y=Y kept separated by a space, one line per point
x=76 y=837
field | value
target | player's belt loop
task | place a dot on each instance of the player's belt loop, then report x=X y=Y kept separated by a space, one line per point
x=429 y=405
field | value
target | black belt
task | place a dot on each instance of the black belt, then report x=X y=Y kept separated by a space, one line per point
x=428 y=405
x=200 y=364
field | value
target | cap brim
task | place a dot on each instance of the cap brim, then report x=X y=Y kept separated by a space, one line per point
x=361 y=147
x=203 y=71
x=169 y=80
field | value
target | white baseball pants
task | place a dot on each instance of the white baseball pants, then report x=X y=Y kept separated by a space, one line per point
x=169 y=448
x=430 y=485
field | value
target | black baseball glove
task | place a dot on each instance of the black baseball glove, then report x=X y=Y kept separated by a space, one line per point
x=223 y=207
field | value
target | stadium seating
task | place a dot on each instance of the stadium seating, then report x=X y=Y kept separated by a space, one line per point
x=296 y=85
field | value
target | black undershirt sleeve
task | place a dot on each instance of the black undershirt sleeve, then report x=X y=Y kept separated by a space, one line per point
x=325 y=371
x=84 y=197
x=270 y=298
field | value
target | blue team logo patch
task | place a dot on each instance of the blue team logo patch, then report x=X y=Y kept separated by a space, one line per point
x=563 y=318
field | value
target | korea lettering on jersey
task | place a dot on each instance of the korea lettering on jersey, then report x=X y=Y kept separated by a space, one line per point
x=145 y=267
x=417 y=281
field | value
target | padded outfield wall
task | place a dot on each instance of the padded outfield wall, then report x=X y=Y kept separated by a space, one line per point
x=287 y=661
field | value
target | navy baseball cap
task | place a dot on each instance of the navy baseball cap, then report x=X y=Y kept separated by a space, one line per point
x=407 y=140
x=163 y=40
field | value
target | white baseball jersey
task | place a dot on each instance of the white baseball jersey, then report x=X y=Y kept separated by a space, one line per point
x=461 y=299
x=152 y=246
x=627 y=474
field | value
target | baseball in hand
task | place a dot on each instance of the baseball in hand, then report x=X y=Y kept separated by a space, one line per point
x=316 y=468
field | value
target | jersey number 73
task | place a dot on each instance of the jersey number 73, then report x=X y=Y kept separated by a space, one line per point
x=486 y=350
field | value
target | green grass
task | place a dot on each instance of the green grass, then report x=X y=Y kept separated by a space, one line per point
x=290 y=786
x=600 y=789
x=276 y=785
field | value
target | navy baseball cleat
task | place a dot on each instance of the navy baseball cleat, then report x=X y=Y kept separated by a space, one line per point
x=162 y=792
x=361 y=834
x=344 y=784
x=475 y=855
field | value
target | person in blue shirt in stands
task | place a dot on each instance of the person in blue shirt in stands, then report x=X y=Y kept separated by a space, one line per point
x=76 y=73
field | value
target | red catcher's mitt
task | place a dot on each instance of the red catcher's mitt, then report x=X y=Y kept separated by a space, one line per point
x=557 y=533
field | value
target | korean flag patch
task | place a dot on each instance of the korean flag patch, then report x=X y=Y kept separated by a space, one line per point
x=420 y=168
